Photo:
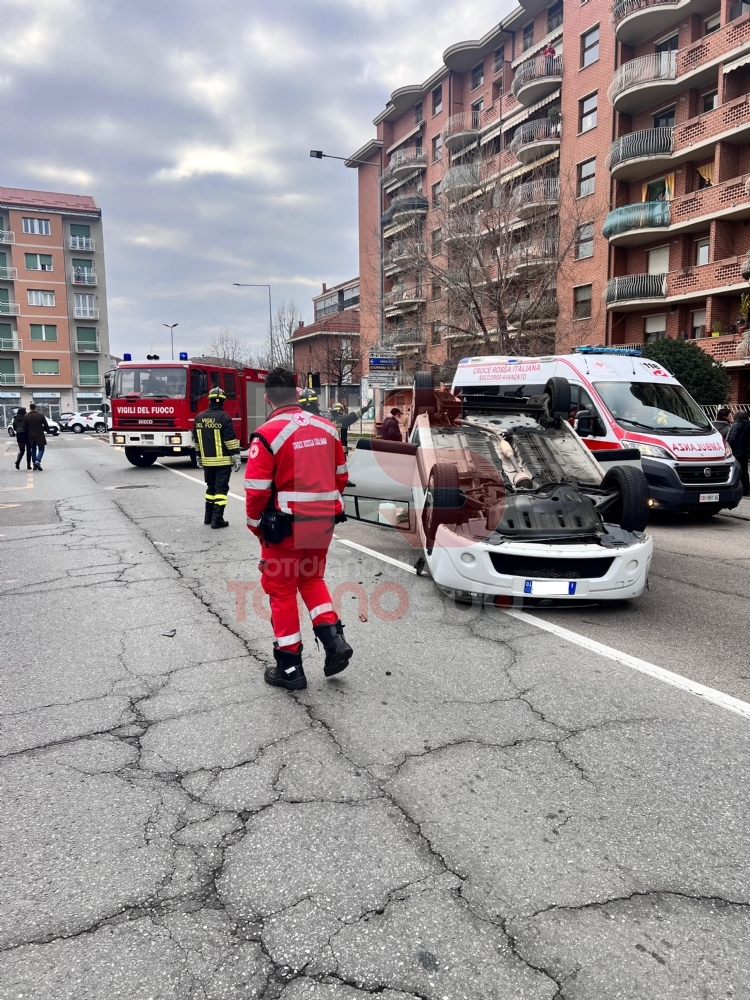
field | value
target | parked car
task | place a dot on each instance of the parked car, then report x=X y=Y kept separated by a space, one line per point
x=64 y=418
x=506 y=500
x=54 y=428
x=80 y=422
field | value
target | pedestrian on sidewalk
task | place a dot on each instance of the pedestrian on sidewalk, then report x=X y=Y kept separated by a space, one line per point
x=218 y=450
x=723 y=421
x=738 y=440
x=35 y=426
x=21 y=437
x=296 y=473
x=391 y=429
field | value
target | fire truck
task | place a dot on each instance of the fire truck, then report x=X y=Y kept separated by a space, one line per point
x=154 y=404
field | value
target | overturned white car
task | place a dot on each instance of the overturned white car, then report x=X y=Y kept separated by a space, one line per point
x=506 y=500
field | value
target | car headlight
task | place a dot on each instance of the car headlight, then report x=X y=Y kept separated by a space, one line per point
x=727 y=451
x=649 y=450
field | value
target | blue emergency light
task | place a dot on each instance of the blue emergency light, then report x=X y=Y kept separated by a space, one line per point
x=127 y=357
x=631 y=352
x=183 y=356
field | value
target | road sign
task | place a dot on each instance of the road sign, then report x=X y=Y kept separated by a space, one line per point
x=383 y=362
x=381 y=380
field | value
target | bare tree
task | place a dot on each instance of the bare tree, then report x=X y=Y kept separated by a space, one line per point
x=277 y=347
x=227 y=346
x=335 y=356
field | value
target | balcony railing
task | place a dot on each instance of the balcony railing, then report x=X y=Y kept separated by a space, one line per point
x=8 y=273
x=461 y=128
x=90 y=380
x=88 y=347
x=15 y=378
x=11 y=345
x=631 y=287
x=82 y=243
x=541 y=130
x=461 y=179
x=403 y=297
x=404 y=254
x=85 y=312
x=624 y=7
x=461 y=228
x=641 y=215
x=414 y=204
x=653 y=68
x=637 y=145
x=404 y=161
x=534 y=253
x=537 y=69
x=6 y=236
x=10 y=309
x=407 y=337
x=535 y=195
x=82 y=276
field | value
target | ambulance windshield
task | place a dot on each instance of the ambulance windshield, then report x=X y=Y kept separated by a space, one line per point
x=649 y=406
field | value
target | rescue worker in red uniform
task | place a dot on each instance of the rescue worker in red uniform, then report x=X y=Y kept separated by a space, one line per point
x=296 y=474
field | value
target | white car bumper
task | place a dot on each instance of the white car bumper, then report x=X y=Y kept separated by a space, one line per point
x=182 y=440
x=469 y=569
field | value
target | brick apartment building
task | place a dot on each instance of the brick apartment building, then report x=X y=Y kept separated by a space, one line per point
x=626 y=128
x=54 y=344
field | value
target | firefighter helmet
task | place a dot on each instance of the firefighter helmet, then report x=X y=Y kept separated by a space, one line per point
x=217 y=393
x=337 y=408
x=308 y=399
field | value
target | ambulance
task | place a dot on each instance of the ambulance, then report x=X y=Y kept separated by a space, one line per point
x=620 y=399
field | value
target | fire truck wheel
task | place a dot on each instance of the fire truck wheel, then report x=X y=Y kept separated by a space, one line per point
x=140 y=458
x=193 y=458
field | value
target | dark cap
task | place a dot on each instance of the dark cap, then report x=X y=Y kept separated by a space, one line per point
x=395 y=410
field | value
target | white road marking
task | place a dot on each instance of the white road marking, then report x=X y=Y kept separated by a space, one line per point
x=642 y=666
x=377 y=555
x=192 y=479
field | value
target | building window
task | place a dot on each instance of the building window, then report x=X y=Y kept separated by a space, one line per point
x=710 y=101
x=45 y=366
x=590 y=47
x=582 y=302
x=88 y=373
x=38 y=261
x=437 y=148
x=586 y=177
x=437 y=100
x=43 y=331
x=554 y=16
x=528 y=36
x=654 y=328
x=668 y=45
x=437 y=290
x=712 y=24
x=86 y=338
x=698 y=324
x=437 y=242
x=477 y=76
x=40 y=227
x=436 y=193
x=84 y=306
x=705 y=173
x=585 y=241
x=702 y=248
x=665 y=118
x=476 y=110
x=418 y=116
x=38 y=297
x=83 y=231
x=327 y=305
x=657 y=190
x=351 y=296
x=587 y=112
x=499 y=60
x=436 y=334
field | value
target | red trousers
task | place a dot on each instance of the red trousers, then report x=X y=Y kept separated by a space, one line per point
x=285 y=572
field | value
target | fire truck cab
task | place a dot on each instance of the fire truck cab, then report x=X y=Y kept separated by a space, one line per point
x=154 y=404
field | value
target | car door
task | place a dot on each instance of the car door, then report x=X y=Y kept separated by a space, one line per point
x=381 y=477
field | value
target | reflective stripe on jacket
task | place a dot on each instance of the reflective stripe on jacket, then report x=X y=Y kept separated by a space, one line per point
x=215 y=437
x=300 y=456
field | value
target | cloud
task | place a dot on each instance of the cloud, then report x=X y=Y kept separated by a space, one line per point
x=57 y=174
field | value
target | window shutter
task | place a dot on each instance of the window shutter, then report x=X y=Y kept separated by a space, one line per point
x=88 y=367
x=76 y=230
x=86 y=334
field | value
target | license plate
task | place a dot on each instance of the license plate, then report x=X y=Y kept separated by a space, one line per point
x=708 y=498
x=549 y=588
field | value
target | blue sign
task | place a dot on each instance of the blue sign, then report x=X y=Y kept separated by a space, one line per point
x=383 y=362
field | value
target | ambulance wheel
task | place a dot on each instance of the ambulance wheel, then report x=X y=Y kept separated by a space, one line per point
x=630 y=510
x=424 y=390
x=140 y=458
x=442 y=502
x=193 y=458
x=558 y=391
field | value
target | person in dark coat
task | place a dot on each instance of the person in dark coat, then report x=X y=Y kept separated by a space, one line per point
x=738 y=440
x=723 y=421
x=391 y=430
x=35 y=425
x=21 y=437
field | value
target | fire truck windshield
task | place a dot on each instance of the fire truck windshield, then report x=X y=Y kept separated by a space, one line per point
x=168 y=382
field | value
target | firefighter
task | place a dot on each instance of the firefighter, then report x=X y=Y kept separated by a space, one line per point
x=308 y=400
x=343 y=420
x=296 y=473
x=218 y=450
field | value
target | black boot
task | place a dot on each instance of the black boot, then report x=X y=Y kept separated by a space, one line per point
x=338 y=650
x=218 y=517
x=287 y=672
x=18 y=462
x=209 y=515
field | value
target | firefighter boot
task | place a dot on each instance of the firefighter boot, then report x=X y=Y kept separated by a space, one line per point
x=287 y=672
x=209 y=515
x=338 y=650
x=217 y=520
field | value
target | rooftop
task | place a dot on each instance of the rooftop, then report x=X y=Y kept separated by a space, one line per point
x=342 y=322
x=47 y=199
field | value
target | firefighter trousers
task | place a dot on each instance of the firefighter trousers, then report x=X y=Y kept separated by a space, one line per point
x=285 y=572
x=217 y=484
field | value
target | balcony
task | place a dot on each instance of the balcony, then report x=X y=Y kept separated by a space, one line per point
x=461 y=130
x=534 y=197
x=462 y=230
x=407 y=337
x=537 y=78
x=533 y=140
x=82 y=276
x=635 y=21
x=82 y=243
x=533 y=254
x=461 y=180
x=641 y=153
x=6 y=236
x=10 y=309
x=401 y=300
x=85 y=312
x=637 y=223
x=8 y=273
x=404 y=162
x=644 y=81
x=533 y=313
x=11 y=345
x=406 y=209
x=88 y=347
x=403 y=256
x=15 y=379
x=636 y=289
x=90 y=381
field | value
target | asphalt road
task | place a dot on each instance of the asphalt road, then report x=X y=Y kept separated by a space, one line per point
x=475 y=809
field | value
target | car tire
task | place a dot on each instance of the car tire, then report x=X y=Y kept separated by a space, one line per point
x=11 y=432
x=631 y=511
x=78 y=428
x=193 y=458
x=139 y=458
x=558 y=391
x=54 y=432
x=100 y=428
x=444 y=499
x=424 y=390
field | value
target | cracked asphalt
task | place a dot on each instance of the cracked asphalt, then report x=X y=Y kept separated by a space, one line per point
x=474 y=810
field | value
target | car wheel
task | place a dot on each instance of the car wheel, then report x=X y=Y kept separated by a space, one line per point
x=11 y=432
x=139 y=458
x=193 y=458
x=558 y=391
x=443 y=500
x=631 y=509
x=54 y=432
x=78 y=428
x=100 y=428
x=424 y=390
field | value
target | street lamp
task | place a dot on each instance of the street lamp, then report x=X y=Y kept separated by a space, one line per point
x=170 y=327
x=238 y=284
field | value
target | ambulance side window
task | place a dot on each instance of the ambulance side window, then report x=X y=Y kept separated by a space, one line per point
x=198 y=387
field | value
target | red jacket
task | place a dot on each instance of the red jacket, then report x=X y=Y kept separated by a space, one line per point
x=300 y=456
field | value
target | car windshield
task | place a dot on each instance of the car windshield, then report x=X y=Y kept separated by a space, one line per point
x=650 y=406
x=169 y=382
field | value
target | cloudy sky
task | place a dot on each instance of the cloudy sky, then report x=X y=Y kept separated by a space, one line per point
x=191 y=124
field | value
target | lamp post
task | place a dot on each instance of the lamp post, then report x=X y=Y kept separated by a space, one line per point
x=170 y=327
x=238 y=284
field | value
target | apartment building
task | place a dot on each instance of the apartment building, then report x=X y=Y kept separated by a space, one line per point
x=597 y=158
x=54 y=344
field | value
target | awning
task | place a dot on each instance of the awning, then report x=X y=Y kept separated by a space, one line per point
x=736 y=63
x=405 y=138
x=528 y=167
x=517 y=119
x=389 y=231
